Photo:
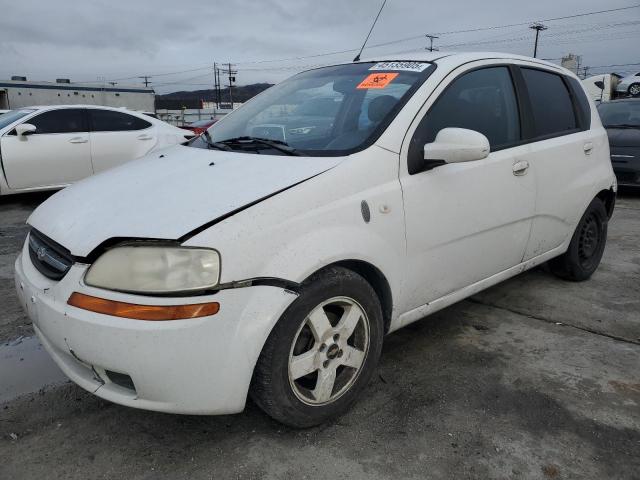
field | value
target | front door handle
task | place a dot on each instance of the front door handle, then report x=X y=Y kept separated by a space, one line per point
x=78 y=140
x=588 y=147
x=520 y=168
x=144 y=136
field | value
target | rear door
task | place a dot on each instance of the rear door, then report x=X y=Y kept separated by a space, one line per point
x=560 y=156
x=467 y=221
x=56 y=154
x=118 y=137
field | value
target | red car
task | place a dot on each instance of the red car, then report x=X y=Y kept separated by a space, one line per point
x=200 y=126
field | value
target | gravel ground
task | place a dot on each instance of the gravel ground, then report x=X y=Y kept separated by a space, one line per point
x=534 y=378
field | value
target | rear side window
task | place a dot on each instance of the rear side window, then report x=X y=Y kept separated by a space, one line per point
x=551 y=104
x=110 y=121
x=65 y=120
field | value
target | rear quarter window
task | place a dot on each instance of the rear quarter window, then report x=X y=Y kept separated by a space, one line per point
x=551 y=105
x=583 y=108
x=111 y=121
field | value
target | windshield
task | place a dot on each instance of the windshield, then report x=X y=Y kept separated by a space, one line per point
x=13 y=115
x=328 y=111
x=620 y=113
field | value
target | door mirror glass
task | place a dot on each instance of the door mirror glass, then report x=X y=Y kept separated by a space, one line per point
x=25 y=129
x=599 y=84
x=454 y=145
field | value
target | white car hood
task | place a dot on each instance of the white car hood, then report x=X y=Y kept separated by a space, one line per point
x=166 y=195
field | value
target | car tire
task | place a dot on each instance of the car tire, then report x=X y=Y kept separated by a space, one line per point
x=322 y=352
x=587 y=245
x=634 y=89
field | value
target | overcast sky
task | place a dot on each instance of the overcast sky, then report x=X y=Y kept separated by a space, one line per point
x=113 y=39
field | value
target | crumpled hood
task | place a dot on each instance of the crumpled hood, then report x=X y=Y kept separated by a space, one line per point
x=166 y=195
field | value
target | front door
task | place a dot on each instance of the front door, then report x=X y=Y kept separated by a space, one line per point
x=56 y=154
x=467 y=221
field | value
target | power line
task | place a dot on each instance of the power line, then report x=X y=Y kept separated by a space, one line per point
x=393 y=42
x=494 y=27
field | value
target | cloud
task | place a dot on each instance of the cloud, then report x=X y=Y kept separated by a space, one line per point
x=117 y=39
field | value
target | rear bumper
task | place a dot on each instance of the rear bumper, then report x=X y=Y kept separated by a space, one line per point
x=196 y=366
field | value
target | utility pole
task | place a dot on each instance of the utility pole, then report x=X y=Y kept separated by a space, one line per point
x=231 y=73
x=146 y=80
x=431 y=39
x=538 y=27
x=216 y=84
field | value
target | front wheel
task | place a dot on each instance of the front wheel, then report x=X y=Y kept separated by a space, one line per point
x=587 y=245
x=322 y=352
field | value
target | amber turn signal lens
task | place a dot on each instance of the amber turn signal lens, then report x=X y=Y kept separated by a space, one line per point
x=142 y=312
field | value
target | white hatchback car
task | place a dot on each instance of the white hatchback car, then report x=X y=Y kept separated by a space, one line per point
x=271 y=255
x=46 y=148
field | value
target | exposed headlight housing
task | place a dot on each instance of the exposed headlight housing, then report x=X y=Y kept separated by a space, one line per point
x=150 y=269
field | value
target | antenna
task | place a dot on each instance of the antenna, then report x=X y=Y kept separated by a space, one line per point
x=357 y=59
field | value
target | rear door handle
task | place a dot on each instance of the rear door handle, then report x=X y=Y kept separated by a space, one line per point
x=520 y=168
x=588 y=147
x=144 y=136
x=78 y=140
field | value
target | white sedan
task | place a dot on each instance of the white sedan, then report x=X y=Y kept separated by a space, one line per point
x=45 y=148
x=271 y=255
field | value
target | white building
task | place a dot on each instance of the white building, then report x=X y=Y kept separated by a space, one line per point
x=19 y=92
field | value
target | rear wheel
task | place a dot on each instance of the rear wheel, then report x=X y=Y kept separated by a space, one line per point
x=634 y=89
x=587 y=245
x=322 y=352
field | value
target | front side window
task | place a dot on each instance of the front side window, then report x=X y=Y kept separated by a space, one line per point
x=65 y=120
x=482 y=100
x=551 y=104
x=330 y=111
x=111 y=121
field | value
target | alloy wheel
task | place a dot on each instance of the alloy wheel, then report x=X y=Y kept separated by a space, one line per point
x=329 y=351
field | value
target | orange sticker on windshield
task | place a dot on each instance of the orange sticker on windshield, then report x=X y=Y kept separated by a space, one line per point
x=377 y=80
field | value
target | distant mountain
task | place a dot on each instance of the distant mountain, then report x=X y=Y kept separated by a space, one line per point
x=178 y=100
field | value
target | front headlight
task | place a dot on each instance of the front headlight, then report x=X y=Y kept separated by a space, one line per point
x=155 y=269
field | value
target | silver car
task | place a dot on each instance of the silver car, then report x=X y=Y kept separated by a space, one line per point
x=629 y=85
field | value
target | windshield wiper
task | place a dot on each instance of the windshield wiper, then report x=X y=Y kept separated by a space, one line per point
x=210 y=143
x=622 y=125
x=275 y=144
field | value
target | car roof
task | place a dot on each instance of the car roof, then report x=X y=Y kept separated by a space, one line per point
x=76 y=105
x=460 y=57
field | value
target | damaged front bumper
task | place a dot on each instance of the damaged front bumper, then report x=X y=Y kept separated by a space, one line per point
x=195 y=366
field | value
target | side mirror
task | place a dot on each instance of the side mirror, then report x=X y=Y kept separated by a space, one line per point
x=25 y=129
x=599 y=84
x=454 y=145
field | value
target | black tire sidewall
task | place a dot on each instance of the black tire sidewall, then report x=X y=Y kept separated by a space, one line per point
x=281 y=402
x=577 y=270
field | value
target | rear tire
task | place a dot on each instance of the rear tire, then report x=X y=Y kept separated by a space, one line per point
x=322 y=352
x=634 y=89
x=587 y=245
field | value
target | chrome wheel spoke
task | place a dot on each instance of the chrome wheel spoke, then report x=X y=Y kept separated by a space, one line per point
x=319 y=323
x=352 y=357
x=332 y=337
x=324 y=386
x=303 y=364
x=349 y=320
